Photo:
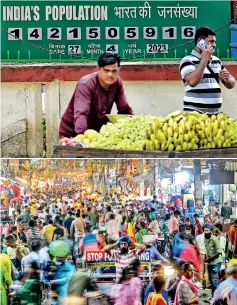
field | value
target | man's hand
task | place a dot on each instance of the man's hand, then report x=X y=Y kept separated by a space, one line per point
x=52 y=282
x=141 y=247
x=224 y=75
x=207 y=53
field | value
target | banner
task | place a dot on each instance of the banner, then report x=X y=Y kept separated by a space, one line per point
x=101 y=258
x=80 y=30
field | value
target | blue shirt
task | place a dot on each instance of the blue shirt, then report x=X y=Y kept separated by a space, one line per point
x=62 y=278
x=153 y=215
x=155 y=254
x=229 y=284
x=4 y=249
x=150 y=288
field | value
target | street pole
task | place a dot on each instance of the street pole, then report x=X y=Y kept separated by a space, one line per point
x=156 y=176
x=116 y=172
x=197 y=183
x=105 y=178
x=142 y=183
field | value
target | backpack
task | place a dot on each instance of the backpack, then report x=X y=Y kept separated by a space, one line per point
x=22 y=250
x=229 y=249
x=153 y=298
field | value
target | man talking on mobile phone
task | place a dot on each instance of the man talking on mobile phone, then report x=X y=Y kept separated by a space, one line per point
x=201 y=73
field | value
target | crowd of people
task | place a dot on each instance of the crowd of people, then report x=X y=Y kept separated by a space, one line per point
x=44 y=244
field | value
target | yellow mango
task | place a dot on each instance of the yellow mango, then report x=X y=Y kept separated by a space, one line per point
x=79 y=137
x=91 y=134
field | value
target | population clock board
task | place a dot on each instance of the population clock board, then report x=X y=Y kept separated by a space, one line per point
x=83 y=30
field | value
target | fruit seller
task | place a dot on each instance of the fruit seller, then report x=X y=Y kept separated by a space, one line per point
x=94 y=97
x=201 y=73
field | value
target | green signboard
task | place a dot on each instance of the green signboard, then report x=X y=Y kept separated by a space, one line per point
x=82 y=30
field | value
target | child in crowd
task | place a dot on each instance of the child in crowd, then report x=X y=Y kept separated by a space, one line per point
x=157 y=270
x=156 y=298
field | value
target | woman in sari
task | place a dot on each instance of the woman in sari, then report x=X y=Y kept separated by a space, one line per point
x=186 y=290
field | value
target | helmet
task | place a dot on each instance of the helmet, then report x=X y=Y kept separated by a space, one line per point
x=58 y=248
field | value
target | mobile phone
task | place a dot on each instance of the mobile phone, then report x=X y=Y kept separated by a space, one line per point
x=202 y=44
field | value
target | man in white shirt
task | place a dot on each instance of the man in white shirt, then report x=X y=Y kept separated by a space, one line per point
x=201 y=73
x=119 y=218
x=32 y=256
x=59 y=204
x=42 y=214
x=228 y=288
x=112 y=228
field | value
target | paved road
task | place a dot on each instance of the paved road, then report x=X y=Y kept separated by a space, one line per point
x=205 y=297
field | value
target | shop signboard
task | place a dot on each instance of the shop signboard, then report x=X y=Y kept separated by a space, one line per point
x=61 y=31
x=3 y=206
x=221 y=176
x=101 y=258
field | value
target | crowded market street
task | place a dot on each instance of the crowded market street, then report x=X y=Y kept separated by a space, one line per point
x=118 y=231
x=118 y=152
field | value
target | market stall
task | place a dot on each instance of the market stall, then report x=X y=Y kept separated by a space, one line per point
x=67 y=151
x=10 y=192
x=178 y=135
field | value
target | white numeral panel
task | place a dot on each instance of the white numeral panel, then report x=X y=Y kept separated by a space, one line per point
x=156 y=48
x=112 y=32
x=74 y=49
x=92 y=33
x=35 y=34
x=169 y=32
x=150 y=32
x=54 y=33
x=73 y=33
x=131 y=33
x=188 y=32
x=112 y=48
x=14 y=33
